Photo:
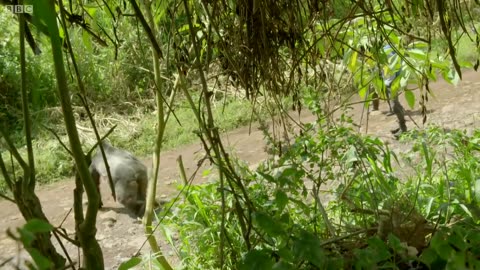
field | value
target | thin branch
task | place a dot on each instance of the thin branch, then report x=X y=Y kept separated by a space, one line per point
x=58 y=139
x=146 y=27
x=13 y=150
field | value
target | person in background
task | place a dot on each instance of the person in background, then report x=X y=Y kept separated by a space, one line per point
x=394 y=103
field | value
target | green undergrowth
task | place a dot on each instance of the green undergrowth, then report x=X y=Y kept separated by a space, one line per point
x=182 y=125
x=367 y=216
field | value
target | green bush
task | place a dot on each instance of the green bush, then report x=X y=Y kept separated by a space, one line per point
x=375 y=217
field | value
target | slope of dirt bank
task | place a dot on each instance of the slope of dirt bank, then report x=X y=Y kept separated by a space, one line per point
x=120 y=236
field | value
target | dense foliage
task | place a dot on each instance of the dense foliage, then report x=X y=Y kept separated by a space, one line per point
x=374 y=216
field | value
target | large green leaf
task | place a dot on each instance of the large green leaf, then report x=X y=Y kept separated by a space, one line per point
x=308 y=247
x=257 y=260
x=129 y=264
x=410 y=97
x=268 y=224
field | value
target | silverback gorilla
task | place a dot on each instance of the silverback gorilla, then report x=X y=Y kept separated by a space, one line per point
x=129 y=177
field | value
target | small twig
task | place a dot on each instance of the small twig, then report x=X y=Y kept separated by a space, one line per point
x=184 y=189
x=181 y=168
x=64 y=250
x=7 y=198
x=336 y=239
x=83 y=128
x=13 y=150
x=64 y=235
x=7 y=178
x=64 y=218
x=58 y=138
x=324 y=214
x=6 y=261
x=101 y=139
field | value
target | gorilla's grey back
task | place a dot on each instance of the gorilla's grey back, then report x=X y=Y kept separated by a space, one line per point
x=122 y=164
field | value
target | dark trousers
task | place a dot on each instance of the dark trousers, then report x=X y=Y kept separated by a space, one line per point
x=398 y=111
x=395 y=106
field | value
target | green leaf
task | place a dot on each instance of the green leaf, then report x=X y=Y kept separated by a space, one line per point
x=465 y=209
x=285 y=253
x=267 y=177
x=429 y=256
x=379 y=249
x=268 y=224
x=395 y=243
x=446 y=76
x=418 y=44
x=410 y=97
x=281 y=199
x=440 y=245
x=353 y=60
x=206 y=172
x=86 y=41
x=428 y=208
x=38 y=226
x=184 y=28
x=350 y=155
x=417 y=54
x=457 y=240
x=132 y=262
x=26 y=237
x=40 y=261
x=257 y=260
x=91 y=11
x=363 y=91
x=309 y=248
x=455 y=77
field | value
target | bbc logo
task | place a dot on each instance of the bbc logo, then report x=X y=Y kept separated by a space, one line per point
x=20 y=8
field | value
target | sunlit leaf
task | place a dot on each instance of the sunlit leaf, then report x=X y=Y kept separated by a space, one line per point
x=417 y=54
x=206 y=172
x=353 y=61
x=465 y=209
x=363 y=92
x=351 y=155
x=91 y=11
x=410 y=97
x=86 y=41
x=446 y=76
x=428 y=207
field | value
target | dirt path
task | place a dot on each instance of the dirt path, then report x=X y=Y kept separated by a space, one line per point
x=120 y=236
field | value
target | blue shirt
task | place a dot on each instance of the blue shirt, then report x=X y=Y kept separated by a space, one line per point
x=388 y=81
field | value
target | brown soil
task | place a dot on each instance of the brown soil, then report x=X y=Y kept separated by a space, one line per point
x=120 y=236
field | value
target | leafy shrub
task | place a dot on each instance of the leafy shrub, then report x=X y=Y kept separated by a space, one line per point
x=375 y=216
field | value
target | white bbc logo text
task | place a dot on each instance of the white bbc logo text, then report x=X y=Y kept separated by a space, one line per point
x=20 y=8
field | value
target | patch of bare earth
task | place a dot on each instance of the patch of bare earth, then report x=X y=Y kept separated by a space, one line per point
x=120 y=236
